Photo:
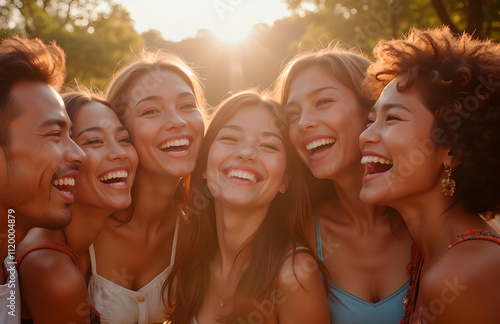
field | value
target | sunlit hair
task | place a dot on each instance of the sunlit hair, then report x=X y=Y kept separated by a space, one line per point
x=123 y=86
x=457 y=78
x=349 y=68
x=23 y=59
x=74 y=100
x=188 y=281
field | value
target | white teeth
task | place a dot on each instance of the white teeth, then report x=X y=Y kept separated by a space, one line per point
x=242 y=175
x=113 y=175
x=319 y=143
x=375 y=159
x=64 y=181
x=178 y=142
x=121 y=183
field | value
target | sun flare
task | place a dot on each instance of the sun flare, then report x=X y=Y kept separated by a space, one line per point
x=233 y=34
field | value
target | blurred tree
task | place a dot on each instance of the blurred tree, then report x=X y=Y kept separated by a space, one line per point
x=95 y=34
x=363 y=22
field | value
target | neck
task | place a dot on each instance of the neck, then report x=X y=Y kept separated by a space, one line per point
x=433 y=220
x=348 y=206
x=235 y=226
x=86 y=224
x=152 y=196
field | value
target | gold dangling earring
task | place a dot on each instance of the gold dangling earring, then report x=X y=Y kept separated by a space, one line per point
x=448 y=183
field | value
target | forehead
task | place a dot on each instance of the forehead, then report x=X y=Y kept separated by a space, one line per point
x=95 y=114
x=37 y=103
x=391 y=95
x=158 y=83
x=255 y=118
x=310 y=79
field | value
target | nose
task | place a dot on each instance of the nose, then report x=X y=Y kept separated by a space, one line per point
x=246 y=152
x=117 y=152
x=307 y=121
x=370 y=135
x=174 y=120
x=74 y=154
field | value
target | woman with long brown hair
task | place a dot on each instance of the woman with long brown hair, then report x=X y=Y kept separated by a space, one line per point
x=159 y=99
x=245 y=258
x=365 y=247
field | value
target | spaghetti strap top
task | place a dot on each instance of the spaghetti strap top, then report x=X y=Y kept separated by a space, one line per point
x=347 y=308
x=475 y=234
x=118 y=304
x=94 y=314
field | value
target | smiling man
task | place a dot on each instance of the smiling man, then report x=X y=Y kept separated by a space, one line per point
x=38 y=159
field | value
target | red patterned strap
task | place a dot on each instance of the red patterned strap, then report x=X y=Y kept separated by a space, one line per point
x=475 y=234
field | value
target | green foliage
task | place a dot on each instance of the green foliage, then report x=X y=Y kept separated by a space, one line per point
x=95 y=34
x=362 y=23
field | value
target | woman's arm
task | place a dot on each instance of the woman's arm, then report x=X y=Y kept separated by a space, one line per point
x=301 y=296
x=52 y=289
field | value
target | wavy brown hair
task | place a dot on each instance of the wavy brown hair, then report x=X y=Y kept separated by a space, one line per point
x=268 y=246
x=121 y=91
x=458 y=79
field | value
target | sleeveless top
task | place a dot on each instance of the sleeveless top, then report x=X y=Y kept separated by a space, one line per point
x=415 y=266
x=120 y=305
x=94 y=314
x=347 y=308
x=10 y=305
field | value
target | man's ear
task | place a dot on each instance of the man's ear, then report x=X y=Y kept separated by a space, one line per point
x=284 y=185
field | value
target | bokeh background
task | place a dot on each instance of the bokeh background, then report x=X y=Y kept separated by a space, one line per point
x=99 y=36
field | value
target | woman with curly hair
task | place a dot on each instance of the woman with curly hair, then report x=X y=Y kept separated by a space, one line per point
x=244 y=259
x=431 y=152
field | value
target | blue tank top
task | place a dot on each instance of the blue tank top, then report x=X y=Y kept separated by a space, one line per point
x=349 y=309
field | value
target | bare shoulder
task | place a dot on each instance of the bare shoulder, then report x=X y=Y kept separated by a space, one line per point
x=53 y=289
x=298 y=268
x=300 y=295
x=51 y=271
x=464 y=282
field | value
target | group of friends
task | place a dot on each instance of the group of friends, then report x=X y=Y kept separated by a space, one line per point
x=351 y=192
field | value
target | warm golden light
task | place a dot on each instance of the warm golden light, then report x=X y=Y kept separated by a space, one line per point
x=233 y=34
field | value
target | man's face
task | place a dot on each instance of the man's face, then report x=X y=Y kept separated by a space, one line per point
x=40 y=163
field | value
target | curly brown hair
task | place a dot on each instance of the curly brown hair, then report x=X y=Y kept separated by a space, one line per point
x=458 y=79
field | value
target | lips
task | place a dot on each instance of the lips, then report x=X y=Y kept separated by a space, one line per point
x=115 y=177
x=375 y=164
x=242 y=174
x=178 y=144
x=317 y=148
x=63 y=183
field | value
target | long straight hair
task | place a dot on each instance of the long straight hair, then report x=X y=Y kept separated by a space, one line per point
x=122 y=89
x=188 y=281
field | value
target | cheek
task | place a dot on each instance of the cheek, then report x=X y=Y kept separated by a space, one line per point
x=197 y=123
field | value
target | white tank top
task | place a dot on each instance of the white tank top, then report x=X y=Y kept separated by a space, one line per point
x=119 y=305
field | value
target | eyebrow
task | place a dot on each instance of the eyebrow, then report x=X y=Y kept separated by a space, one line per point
x=180 y=95
x=312 y=93
x=97 y=128
x=55 y=121
x=265 y=133
x=388 y=106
